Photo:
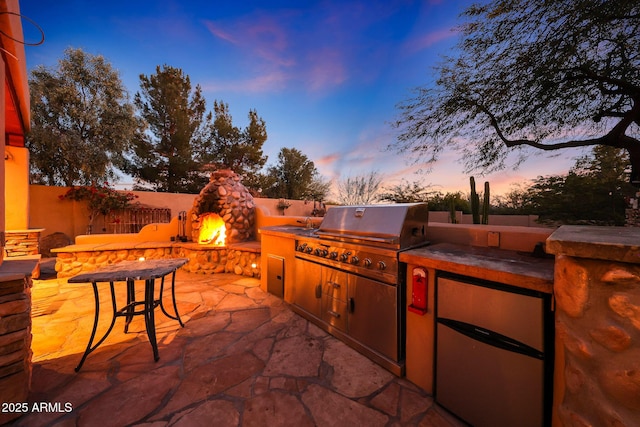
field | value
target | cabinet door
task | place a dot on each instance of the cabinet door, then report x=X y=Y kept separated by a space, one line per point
x=275 y=275
x=307 y=287
x=373 y=315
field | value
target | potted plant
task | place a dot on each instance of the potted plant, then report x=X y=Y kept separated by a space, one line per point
x=283 y=205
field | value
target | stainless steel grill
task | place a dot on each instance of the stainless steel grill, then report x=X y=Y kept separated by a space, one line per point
x=396 y=226
x=349 y=279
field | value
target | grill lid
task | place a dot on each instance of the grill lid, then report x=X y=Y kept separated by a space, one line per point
x=398 y=226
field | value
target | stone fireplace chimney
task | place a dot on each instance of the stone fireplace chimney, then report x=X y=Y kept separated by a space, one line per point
x=227 y=197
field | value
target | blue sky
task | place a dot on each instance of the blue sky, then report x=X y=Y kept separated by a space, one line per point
x=326 y=76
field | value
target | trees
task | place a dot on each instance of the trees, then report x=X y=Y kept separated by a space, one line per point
x=84 y=127
x=515 y=202
x=82 y=121
x=445 y=202
x=164 y=156
x=235 y=149
x=294 y=177
x=405 y=192
x=359 y=189
x=318 y=189
x=183 y=139
x=594 y=190
x=533 y=73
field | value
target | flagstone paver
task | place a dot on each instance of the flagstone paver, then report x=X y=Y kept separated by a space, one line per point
x=242 y=359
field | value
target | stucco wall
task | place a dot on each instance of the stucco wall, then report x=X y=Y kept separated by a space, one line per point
x=71 y=218
x=54 y=215
x=17 y=188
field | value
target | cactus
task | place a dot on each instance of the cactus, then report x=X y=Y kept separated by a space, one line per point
x=485 y=204
x=452 y=211
x=475 y=202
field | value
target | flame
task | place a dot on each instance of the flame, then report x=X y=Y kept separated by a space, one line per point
x=212 y=230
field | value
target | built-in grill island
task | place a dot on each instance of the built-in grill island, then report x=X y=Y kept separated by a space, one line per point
x=349 y=280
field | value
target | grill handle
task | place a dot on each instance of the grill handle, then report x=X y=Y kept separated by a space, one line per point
x=318 y=291
x=352 y=305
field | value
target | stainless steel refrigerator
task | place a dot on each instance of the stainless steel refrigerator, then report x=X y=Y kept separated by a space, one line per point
x=492 y=352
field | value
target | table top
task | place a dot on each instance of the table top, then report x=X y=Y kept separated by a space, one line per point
x=131 y=270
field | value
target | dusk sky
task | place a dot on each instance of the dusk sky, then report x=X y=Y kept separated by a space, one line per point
x=326 y=76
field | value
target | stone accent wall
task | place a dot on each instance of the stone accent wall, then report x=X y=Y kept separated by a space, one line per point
x=597 y=366
x=226 y=196
x=22 y=242
x=15 y=343
x=221 y=260
x=202 y=259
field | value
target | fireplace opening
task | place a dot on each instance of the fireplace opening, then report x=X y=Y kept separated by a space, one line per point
x=212 y=230
x=224 y=197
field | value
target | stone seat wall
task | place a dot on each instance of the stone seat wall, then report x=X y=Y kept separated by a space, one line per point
x=238 y=258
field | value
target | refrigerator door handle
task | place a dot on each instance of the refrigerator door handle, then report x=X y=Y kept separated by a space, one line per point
x=490 y=337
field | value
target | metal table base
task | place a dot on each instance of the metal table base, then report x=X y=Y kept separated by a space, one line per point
x=148 y=271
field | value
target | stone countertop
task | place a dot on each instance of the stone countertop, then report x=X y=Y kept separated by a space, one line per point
x=608 y=243
x=498 y=265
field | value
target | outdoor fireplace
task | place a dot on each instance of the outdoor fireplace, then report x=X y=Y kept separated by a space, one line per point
x=223 y=212
x=212 y=230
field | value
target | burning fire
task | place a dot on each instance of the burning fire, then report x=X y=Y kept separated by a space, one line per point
x=212 y=230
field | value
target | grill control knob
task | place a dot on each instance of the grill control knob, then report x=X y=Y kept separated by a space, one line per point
x=321 y=252
x=301 y=247
x=355 y=260
x=382 y=265
x=309 y=249
x=345 y=256
x=333 y=255
x=366 y=262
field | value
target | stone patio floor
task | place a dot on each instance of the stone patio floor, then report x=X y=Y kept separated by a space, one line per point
x=243 y=358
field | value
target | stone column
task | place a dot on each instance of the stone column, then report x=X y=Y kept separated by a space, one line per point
x=597 y=356
x=15 y=342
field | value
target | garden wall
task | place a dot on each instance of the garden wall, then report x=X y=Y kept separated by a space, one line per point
x=71 y=217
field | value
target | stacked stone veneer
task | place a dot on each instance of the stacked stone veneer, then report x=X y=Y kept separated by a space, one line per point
x=225 y=196
x=597 y=292
x=241 y=259
x=22 y=242
x=15 y=344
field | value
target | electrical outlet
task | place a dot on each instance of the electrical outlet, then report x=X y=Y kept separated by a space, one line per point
x=493 y=239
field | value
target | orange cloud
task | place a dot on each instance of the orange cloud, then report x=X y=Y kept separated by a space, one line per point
x=327 y=160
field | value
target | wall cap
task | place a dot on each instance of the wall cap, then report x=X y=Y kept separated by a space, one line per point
x=620 y=244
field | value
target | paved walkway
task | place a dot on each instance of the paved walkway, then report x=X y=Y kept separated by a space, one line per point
x=243 y=358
